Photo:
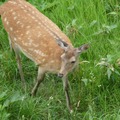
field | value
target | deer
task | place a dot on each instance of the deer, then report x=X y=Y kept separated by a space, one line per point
x=39 y=39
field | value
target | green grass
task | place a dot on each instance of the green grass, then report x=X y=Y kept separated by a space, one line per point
x=94 y=85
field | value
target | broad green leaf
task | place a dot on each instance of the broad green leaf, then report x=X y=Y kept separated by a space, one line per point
x=85 y=81
x=93 y=23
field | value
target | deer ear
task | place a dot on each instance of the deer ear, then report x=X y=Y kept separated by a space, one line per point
x=62 y=44
x=82 y=48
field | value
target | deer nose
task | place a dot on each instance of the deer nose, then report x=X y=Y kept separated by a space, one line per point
x=60 y=75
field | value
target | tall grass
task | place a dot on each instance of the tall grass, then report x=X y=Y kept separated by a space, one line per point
x=94 y=85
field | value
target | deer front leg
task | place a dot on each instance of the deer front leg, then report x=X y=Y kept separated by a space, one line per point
x=66 y=87
x=40 y=78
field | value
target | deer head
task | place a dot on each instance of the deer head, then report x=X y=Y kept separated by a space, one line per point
x=70 y=57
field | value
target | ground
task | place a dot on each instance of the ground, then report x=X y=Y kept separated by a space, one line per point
x=95 y=83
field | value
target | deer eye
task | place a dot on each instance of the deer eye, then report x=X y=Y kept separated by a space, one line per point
x=73 y=62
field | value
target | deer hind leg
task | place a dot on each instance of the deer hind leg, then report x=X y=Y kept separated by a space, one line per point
x=40 y=78
x=10 y=43
x=66 y=87
x=18 y=58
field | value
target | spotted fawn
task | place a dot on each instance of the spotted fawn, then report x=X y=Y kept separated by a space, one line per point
x=41 y=40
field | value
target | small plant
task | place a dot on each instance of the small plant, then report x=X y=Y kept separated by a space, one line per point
x=72 y=28
x=106 y=29
x=108 y=65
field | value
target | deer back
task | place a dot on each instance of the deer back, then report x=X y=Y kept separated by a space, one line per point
x=33 y=32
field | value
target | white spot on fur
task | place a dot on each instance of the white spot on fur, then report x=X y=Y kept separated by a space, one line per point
x=25 y=5
x=21 y=34
x=25 y=10
x=15 y=39
x=39 y=35
x=22 y=7
x=52 y=61
x=22 y=26
x=15 y=18
x=19 y=38
x=33 y=17
x=18 y=22
x=11 y=10
x=14 y=13
x=28 y=26
x=26 y=44
x=33 y=12
x=39 y=53
x=11 y=29
x=5 y=19
x=29 y=37
x=39 y=23
x=43 y=60
x=12 y=2
x=27 y=32
x=7 y=23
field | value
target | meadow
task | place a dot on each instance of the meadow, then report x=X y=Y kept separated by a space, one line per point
x=94 y=84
